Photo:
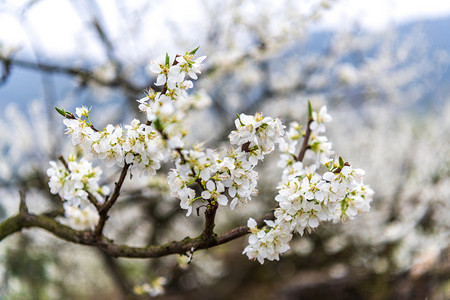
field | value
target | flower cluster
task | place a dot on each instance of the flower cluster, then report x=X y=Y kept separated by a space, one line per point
x=173 y=75
x=231 y=171
x=307 y=198
x=221 y=174
x=140 y=144
x=80 y=218
x=144 y=146
x=274 y=241
x=257 y=135
x=317 y=143
x=75 y=184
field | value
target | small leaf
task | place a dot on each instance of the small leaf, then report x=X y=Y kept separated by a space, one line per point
x=62 y=112
x=158 y=125
x=239 y=118
x=341 y=162
x=193 y=51
x=310 y=110
x=167 y=59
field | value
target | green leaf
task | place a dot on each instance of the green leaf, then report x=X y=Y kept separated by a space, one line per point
x=310 y=110
x=193 y=51
x=167 y=59
x=239 y=118
x=62 y=112
x=158 y=125
x=341 y=162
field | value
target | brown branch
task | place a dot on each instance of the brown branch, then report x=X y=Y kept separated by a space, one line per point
x=10 y=226
x=208 y=229
x=305 y=145
x=26 y=220
x=85 y=75
x=64 y=162
x=104 y=209
x=243 y=230
x=23 y=209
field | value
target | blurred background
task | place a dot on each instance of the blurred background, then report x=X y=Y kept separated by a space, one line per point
x=381 y=67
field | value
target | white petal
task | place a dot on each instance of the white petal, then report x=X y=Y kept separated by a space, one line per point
x=155 y=68
x=220 y=187
x=200 y=59
x=329 y=176
x=346 y=170
x=160 y=80
x=251 y=223
x=233 y=204
x=313 y=222
x=189 y=211
x=206 y=195
x=232 y=191
x=222 y=200
x=252 y=239
x=210 y=185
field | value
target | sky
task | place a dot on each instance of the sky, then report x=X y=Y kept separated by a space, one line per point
x=381 y=14
x=53 y=23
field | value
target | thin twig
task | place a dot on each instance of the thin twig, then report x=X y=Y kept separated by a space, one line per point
x=23 y=209
x=243 y=230
x=64 y=162
x=305 y=145
x=104 y=209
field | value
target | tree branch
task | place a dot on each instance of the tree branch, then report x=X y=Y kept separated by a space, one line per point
x=305 y=145
x=243 y=230
x=23 y=209
x=85 y=75
x=26 y=220
x=208 y=229
x=104 y=209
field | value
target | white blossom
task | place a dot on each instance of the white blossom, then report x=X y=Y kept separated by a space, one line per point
x=81 y=219
x=257 y=135
x=319 y=118
x=214 y=190
x=305 y=197
x=73 y=185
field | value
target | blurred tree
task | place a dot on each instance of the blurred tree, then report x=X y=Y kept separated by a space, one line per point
x=259 y=59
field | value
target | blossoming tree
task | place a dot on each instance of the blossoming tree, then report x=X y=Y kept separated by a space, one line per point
x=201 y=178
